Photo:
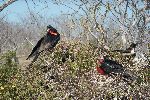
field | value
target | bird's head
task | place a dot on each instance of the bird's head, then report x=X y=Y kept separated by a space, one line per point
x=133 y=45
x=51 y=30
x=100 y=59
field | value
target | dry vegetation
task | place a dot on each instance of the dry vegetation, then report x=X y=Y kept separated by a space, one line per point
x=49 y=78
x=85 y=34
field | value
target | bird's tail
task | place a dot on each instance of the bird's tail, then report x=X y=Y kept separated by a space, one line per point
x=35 y=48
x=129 y=77
x=117 y=51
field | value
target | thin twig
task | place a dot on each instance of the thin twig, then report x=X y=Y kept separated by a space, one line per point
x=29 y=41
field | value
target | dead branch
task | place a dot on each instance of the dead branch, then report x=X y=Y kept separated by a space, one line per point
x=9 y=2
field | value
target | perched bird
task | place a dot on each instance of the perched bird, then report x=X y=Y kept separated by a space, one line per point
x=112 y=68
x=128 y=51
x=47 y=42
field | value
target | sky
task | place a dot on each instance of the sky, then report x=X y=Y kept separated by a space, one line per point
x=19 y=9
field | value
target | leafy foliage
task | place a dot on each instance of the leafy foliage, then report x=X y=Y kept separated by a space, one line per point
x=50 y=78
x=8 y=70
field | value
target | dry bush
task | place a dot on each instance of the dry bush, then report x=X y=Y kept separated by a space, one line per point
x=49 y=78
x=80 y=80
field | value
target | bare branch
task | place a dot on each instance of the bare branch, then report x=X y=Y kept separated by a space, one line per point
x=29 y=41
x=126 y=9
x=6 y=4
x=147 y=20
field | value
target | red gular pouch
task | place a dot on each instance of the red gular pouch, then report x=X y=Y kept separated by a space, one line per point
x=100 y=70
x=52 y=32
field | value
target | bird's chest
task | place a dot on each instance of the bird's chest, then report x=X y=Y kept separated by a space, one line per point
x=50 y=38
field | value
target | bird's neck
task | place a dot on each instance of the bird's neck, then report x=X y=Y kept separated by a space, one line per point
x=52 y=33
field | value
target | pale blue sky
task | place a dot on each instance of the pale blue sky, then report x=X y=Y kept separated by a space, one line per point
x=19 y=9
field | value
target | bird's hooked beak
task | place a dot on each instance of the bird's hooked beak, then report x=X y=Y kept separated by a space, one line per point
x=51 y=32
x=100 y=60
x=48 y=30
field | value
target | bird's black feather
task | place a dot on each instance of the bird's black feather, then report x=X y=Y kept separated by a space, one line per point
x=111 y=66
x=36 y=47
x=128 y=50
